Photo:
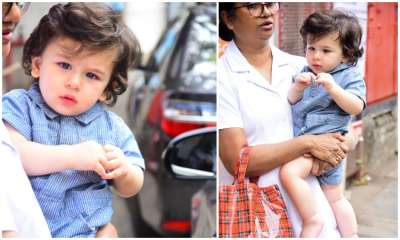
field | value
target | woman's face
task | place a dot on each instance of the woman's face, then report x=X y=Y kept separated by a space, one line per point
x=11 y=16
x=248 y=25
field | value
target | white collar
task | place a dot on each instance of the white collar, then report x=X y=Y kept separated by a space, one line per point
x=238 y=63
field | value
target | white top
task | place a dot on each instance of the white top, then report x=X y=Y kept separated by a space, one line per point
x=19 y=209
x=246 y=100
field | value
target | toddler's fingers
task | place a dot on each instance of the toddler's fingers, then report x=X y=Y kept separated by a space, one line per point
x=112 y=155
x=100 y=170
x=303 y=79
x=114 y=174
x=109 y=147
x=111 y=164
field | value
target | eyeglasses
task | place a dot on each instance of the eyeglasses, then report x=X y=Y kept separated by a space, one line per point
x=7 y=6
x=258 y=9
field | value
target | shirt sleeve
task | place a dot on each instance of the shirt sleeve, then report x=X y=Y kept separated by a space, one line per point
x=228 y=106
x=16 y=112
x=127 y=143
x=354 y=83
x=7 y=222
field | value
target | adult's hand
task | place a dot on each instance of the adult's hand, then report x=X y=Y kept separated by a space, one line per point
x=320 y=167
x=328 y=147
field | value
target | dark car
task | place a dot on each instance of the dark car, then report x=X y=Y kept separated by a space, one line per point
x=192 y=156
x=175 y=94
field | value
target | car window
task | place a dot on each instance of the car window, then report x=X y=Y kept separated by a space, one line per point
x=193 y=67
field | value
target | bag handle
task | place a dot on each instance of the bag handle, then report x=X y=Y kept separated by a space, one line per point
x=241 y=166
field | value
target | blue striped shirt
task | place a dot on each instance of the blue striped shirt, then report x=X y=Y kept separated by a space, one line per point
x=75 y=203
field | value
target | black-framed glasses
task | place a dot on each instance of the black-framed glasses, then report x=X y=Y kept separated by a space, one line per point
x=6 y=7
x=258 y=9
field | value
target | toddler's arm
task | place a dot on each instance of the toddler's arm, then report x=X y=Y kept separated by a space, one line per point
x=40 y=159
x=127 y=178
x=301 y=82
x=347 y=101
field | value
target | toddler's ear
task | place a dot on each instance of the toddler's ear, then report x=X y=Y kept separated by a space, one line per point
x=36 y=62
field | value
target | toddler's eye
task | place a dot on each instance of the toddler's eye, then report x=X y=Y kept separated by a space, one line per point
x=64 y=65
x=326 y=51
x=92 y=76
x=311 y=48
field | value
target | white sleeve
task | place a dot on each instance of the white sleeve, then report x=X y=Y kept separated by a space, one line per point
x=228 y=105
x=7 y=222
x=18 y=198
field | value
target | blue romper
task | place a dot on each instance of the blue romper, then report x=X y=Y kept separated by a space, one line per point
x=74 y=203
x=317 y=113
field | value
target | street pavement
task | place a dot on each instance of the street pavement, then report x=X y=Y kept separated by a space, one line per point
x=375 y=204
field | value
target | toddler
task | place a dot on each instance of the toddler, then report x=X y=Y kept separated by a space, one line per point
x=78 y=56
x=324 y=96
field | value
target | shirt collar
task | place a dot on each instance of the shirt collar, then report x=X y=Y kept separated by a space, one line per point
x=337 y=69
x=238 y=62
x=84 y=118
x=340 y=67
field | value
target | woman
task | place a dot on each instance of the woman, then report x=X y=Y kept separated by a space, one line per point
x=20 y=212
x=254 y=78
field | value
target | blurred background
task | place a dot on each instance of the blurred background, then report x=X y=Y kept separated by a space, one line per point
x=372 y=168
x=170 y=105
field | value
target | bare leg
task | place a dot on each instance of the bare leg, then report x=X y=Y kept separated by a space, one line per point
x=344 y=213
x=107 y=231
x=292 y=176
x=9 y=234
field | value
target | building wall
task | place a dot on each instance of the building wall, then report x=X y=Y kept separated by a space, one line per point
x=291 y=17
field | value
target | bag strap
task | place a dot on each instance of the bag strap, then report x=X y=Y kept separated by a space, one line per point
x=241 y=166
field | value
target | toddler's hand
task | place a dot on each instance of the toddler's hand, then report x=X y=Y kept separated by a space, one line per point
x=116 y=164
x=89 y=156
x=326 y=80
x=304 y=79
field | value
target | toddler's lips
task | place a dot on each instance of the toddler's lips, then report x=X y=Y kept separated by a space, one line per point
x=68 y=100
x=316 y=66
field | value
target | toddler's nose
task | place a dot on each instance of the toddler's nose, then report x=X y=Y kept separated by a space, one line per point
x=74 y=82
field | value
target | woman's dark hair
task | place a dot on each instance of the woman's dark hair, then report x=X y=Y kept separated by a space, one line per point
x=322 y=23
x=97 y=27
x=224 y=32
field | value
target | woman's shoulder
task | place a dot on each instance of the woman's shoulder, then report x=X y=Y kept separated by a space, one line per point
x=285 y=58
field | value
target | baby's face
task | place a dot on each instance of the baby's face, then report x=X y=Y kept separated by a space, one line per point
x=71 y=81
x=325 y=53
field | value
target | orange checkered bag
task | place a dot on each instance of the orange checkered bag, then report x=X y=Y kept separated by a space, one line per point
x=246 y=210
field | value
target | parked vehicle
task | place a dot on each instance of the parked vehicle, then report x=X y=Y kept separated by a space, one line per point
x=176 y=93
x=192 y=156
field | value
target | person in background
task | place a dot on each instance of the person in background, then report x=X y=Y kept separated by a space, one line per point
x=20 y=213
x=254 y=78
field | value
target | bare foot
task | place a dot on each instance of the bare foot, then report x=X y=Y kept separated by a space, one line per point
x=107 y=231
x=312 y=227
